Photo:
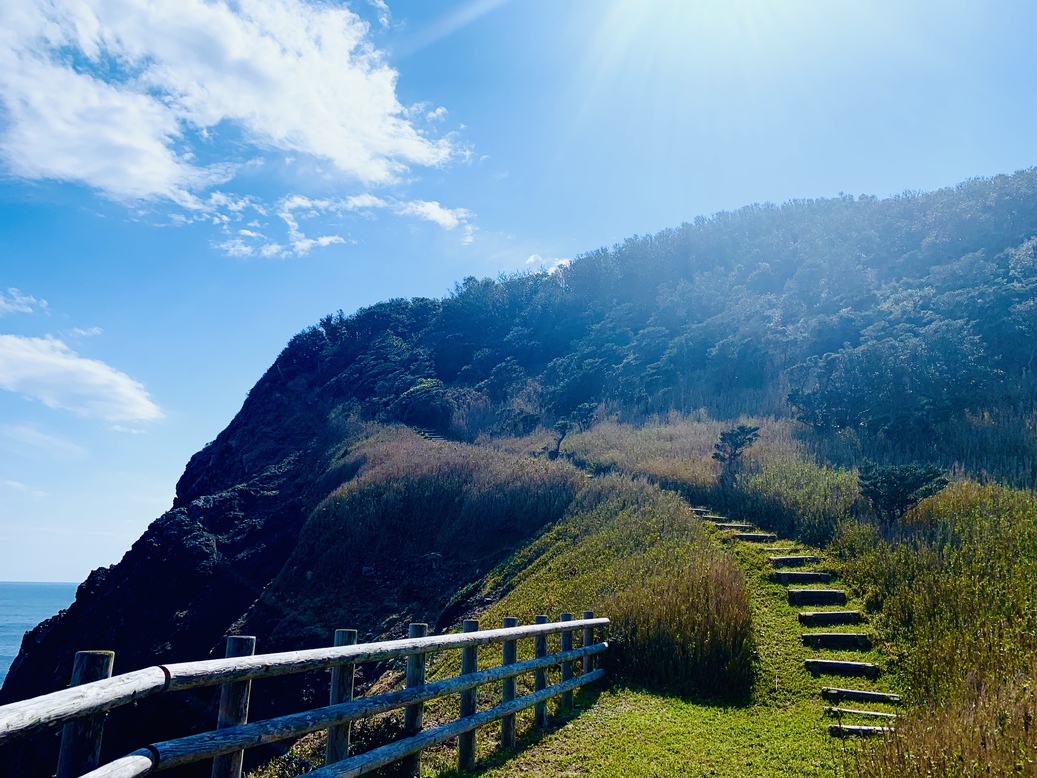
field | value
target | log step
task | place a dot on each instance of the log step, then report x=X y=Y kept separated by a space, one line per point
x=853 y=712
x=817 y=597
x=792 y=561
x=837 y=640
x=846 y=730
x=828 y=618
x=713 y=517
x=800 y=576
x=739 y=527
x=700 y=511
x=841 y=667
x=833 y=694
x=755 y=537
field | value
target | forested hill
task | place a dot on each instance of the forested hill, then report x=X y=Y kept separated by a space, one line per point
x=903 y=325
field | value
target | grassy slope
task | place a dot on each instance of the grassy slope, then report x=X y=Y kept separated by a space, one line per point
x=618 y=532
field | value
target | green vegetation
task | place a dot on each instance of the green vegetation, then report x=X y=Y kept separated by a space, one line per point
x=814 y=369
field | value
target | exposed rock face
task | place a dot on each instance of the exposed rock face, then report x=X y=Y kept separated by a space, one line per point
x=238 y=511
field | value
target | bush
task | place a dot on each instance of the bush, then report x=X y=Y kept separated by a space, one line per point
x=687 y=633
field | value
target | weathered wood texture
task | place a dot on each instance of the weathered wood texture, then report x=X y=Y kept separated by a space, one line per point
x=567 y=667
x=540 y=676
x=828 y=618
x=131 y=766
x=234 y=707
x=800 y=576
x=379 y=757
x=49 y=710
x=193 y=748
x=817 y=597
x=874 y=714
x=793 y=561
x=509 y=655
x=341 y=691
x=469 y=665
x=847 y=730
x=833 y=694
x=56 y=708
x=80 y=749
x=837 y=640
x=839 y=667
x=588 y=639
x=414 y=715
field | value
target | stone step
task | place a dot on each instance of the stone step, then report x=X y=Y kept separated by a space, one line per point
x=792 y=561
x=817 y=597
x=837 y=640
x=841 y=667
x=853 y=712
x=847 y=730
x=739 y=527
x=755 y=537
x=800 y=576
x=828 y=618
x=700 y=511
x=713 y=517
x=834 y=694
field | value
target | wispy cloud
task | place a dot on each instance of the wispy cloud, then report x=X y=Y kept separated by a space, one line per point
x=295 y=209
x=131 y=97
x=550 y=265
x=16 y=302
x=30 y=435
x=47 y=370
x=18 y=486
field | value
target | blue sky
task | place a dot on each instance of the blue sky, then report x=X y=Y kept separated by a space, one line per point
x=184 y=184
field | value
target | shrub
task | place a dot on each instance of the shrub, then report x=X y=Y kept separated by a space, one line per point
x=687 y=633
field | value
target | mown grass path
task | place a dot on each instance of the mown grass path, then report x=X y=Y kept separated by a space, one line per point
x=782 y=731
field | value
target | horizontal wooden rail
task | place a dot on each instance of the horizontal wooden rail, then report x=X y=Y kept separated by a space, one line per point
x=194 y=748
x=51 y=710
x=385 y=755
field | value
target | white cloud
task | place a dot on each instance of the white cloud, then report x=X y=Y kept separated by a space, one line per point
x=18 y=486
x=294 y=209
x=384 y=14
x=30 y=435
x=16 y=302
x=432 y=211
x=130 y=96
x=552 y=265
x=48 y=370
x=79 y=332
x=437 y=115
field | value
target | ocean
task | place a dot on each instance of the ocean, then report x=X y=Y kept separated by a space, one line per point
x=23 y=606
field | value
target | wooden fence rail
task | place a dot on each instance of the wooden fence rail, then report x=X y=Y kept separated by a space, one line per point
x=225 y=745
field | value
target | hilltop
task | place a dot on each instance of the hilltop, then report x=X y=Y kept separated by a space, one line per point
x=898 y=330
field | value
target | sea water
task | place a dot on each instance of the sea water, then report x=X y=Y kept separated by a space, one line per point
x=24 y=605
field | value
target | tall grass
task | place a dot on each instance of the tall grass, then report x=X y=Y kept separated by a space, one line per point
x=781 y=489
x=687 y=632
x=957 y=589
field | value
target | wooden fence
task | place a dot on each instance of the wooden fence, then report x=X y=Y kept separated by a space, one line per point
x=81 y=708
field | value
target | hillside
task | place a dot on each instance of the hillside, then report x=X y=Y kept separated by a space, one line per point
x=897 y=329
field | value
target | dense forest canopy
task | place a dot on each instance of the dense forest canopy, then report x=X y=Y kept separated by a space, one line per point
x=905 y=324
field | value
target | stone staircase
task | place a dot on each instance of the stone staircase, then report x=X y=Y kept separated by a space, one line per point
x=826 y=608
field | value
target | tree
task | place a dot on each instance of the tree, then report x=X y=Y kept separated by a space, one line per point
x=895 y=489
x=729 y=449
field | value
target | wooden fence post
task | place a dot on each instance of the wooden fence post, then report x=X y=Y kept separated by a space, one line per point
x=540 y=676
x=508 y=685
x=588 y=640
x=233 y=707
x=567 y=667
x=80 y=749
x=414 y=715
x=341 y=691
x=469 y=664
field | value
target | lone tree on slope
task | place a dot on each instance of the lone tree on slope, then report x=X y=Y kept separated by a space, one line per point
x=728 y=451
x=894 y=489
